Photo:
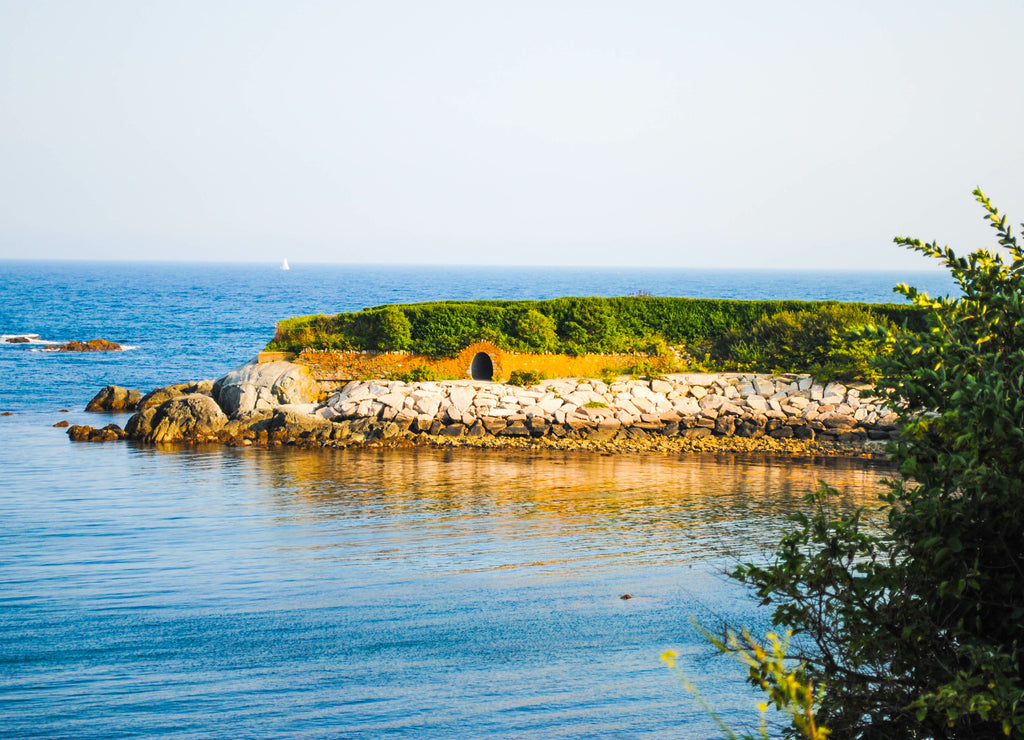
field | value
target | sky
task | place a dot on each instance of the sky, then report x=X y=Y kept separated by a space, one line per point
x=755 y=134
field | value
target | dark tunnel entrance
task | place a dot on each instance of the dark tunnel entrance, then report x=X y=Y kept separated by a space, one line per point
x=482 y=367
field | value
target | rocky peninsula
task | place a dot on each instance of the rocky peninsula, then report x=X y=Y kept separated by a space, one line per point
x=280 y=403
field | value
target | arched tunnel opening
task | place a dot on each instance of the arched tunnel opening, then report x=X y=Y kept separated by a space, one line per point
x=482 y=367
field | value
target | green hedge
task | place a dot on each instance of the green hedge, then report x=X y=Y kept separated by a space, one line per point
x=705 y=328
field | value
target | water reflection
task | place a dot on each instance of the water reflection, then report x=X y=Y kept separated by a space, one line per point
x=495 y=509
x=362 y=593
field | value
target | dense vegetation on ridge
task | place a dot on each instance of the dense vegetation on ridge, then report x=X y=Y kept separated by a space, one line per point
x=756 y=335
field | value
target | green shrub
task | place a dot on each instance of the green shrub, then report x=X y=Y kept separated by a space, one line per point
x=821 y=340
x=536 y=331
x=395 y=329
x=421 y=374
x=524 y=377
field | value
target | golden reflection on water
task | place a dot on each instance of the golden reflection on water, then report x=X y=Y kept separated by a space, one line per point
x=501 y=509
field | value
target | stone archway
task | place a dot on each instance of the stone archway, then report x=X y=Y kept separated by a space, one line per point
x=482 y=367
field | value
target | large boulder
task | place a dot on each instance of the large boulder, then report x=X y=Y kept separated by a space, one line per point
x=259 y=387
x=160 y=395
x=192 y=418
x=114 y=398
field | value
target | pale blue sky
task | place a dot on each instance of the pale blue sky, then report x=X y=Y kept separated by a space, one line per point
x=752 y=134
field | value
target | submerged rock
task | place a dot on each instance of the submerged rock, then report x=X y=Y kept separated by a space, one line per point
x=258 y=387
x=114 y=398
x=109 y=433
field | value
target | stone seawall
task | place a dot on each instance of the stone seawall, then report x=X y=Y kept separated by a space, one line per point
x=684 y=405
x=275 y=404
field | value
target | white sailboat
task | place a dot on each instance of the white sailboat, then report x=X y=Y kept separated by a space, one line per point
x=284 y=265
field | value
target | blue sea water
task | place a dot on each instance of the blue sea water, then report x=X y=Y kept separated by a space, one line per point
x=164 y=592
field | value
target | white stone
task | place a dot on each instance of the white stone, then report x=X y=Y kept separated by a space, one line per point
x=356 y=393
x=640 y=391
x=550 y=404
x=698 y=378
x=661 y=386
x=580 y=398
x=698 y=392
x=711 y=402
x=427 y=405
x=758 y=403
x=393 y=400
x=835 y=389
x=686 y=407
x=764 y=387
x=462 y=397
x=624 y=418
x=629 y=407
x=644 y=404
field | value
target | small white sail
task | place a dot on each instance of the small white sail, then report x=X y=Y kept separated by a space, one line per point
x=284 y=265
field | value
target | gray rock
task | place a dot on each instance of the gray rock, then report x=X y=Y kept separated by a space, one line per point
x=158 y=396
x=114 y=398
x=254 y=387
x=192 y=418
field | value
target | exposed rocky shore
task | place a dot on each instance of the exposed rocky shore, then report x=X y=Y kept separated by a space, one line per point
x=93 y=345
x=278 y=403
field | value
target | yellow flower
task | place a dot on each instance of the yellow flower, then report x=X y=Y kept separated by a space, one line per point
x=762 y=707
x=669 y=657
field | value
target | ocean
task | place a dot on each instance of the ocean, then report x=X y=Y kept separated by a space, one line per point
x=211 y=592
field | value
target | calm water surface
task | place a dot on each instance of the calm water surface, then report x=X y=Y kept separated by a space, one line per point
x=186 y=593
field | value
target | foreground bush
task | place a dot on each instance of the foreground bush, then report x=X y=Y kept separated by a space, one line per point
x=917 y=631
